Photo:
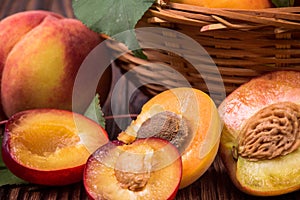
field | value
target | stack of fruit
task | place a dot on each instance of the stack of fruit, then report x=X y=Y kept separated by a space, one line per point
x=44 y=142
x=169 y=146
x=40 y=54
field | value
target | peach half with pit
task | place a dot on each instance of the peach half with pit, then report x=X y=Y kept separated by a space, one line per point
x=50 y=146
x=260 y=141
x=148 y=168
x=186 y=117
x=40 y=55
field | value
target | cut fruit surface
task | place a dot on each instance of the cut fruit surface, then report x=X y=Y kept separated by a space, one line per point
x=146 y=169
x=265 y=176
x=43 y=144
x=190 y=119
x=260 y=139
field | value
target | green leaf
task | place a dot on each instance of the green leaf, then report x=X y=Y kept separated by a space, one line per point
x=8 y=178
x=94 y=111
x=2 y=165
x=283 y=3
x=113 y=17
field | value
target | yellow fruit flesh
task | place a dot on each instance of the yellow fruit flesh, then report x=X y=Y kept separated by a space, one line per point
x=49 y=142
x=268 y=177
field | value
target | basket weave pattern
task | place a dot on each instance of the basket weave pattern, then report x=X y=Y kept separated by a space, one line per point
x=242 y=43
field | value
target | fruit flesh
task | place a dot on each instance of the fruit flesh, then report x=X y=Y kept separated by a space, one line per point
x=258 y=176
x=241 y=105
x=162 y=160
x=48 y=143
x=204 y=126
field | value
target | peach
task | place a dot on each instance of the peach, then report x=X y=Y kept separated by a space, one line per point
x=189 y=119
x=260 y=140
x=50 y=146
x=40 y=54
x=146 y=169
x=235 y=4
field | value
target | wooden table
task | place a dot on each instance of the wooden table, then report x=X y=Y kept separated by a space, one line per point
x=213 y=185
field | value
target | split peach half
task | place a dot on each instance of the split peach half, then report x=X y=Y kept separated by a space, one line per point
x=146 y=169
x=186 y=117
x=260 y=142
x=49 y=146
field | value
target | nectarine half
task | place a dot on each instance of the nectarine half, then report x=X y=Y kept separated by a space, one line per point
x=146 y=169
x=189 y=119
x=49 y=146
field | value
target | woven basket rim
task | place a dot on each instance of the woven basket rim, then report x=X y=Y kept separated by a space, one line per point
x=242 y=43
x=287 y=17
x=184 y=6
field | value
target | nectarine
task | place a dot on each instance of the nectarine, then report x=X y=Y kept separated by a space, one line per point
x=50 y=146
x=40 y=54
x=260 y=143
x=189 y=119
x=146 y=169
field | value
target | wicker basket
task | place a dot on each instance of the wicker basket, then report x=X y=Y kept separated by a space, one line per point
x=242 y=43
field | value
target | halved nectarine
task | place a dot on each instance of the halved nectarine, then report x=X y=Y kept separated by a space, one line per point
x=146 y=169
x=50 y=147
x=260 y=142
x=189 y=119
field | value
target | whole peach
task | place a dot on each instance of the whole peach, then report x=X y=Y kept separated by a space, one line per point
x=40 y=54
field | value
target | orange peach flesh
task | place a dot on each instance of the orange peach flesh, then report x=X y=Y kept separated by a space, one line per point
x=165 y=170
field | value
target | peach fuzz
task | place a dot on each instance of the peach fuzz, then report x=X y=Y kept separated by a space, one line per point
x=12 y=30
x=41 y=58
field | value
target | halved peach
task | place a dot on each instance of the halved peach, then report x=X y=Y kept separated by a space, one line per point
x=260 y=142
x=49 y=146
x=189 y=119
x=146 y=169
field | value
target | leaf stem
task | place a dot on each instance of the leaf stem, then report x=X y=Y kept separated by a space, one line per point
x=121 y=116
x=3 y=122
